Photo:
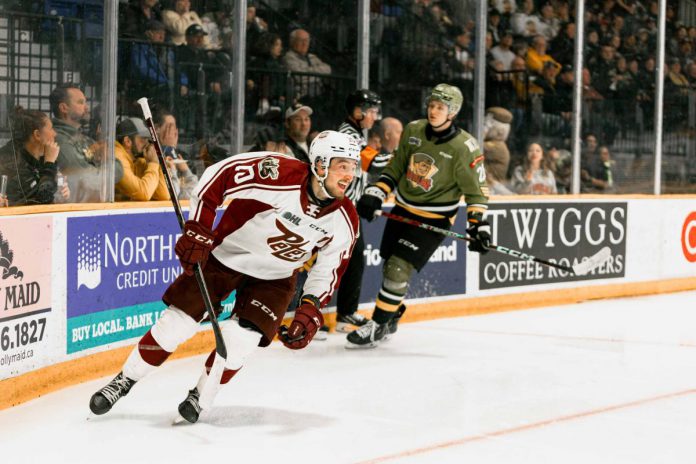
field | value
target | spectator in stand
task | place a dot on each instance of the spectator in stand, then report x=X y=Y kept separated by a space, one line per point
x=134 y=17
x=644 y=45
x=673 y=44
x=599 y=177
x=503 y=51
x=298 y=59
x=255 y=26
x=534 y=176
x=142 y=177
x=389 y=132
x=298 y=124
x=604 y=70
x=646 y=92
x=152 y=67
x=217 y=23
x=80 y=156
x=494 y=25
x=524 y=20
x=193 y=54
x=178 y=20
x=537 y=57
x=562 y=166
x=183 y=180
x=266 y=79
x=548 y=24
x=563 y=45
x=591 y=46
x=496 y=129
x=29 y=161
x=686 y=52
x=625 y=95
x=676 y=93
x=691 y=74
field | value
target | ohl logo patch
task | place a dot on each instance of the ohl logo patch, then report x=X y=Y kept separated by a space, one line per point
x=287 y=246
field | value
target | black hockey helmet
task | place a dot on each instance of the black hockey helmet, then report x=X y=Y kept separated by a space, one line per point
x=364 y=99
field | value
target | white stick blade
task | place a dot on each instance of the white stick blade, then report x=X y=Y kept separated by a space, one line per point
x=212 y=383
x=146 y=108
x=593 y=261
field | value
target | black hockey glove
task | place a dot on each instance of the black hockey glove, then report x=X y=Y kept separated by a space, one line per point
x=370 y=201
x=480 y=231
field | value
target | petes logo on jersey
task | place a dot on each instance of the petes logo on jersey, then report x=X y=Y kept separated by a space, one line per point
x=421 y=170
x=268 y=167
x=288 y=245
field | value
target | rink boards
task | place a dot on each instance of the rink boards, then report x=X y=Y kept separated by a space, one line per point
x=78 y=288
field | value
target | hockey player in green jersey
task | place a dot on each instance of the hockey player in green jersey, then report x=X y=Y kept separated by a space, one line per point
x=435 y=164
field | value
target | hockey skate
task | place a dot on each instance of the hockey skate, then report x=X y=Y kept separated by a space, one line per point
x=367 y=336
x=348 y=322
x=190 y=408
x=393 y=324
x=103 y=400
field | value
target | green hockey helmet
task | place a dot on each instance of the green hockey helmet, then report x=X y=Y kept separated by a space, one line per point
x=449 y=95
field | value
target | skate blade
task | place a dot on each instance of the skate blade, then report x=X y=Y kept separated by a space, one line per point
x=345 y=327
x=179 y=420
x=367 y=346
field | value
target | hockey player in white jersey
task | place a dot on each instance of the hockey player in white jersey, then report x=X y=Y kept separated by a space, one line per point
x=282 y=211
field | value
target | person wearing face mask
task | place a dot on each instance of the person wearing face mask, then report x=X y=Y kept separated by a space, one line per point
x=282 y=210
x=142 y=179
x=29 y=161
x=435 y=163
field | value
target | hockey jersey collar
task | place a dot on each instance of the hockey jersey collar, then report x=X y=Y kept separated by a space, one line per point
x=441 y=137
x=311 y=205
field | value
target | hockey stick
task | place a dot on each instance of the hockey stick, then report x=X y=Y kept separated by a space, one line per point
x=220 y=349
x=581 y=268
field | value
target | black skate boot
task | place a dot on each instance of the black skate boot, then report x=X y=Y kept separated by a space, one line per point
x=348 y=322
x=190 y=409
x=393 y=324
x=367 y=336
x=104 y=399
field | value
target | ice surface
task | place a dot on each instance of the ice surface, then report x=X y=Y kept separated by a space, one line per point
x=610 y=381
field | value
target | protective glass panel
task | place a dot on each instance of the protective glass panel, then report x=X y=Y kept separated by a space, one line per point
x=51 y=151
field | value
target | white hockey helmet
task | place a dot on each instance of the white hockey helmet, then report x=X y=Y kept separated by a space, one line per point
x=331 y=144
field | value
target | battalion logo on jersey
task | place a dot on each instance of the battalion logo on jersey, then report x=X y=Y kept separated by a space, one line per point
x=287 y=246
x=421 y=169
x=268 y=167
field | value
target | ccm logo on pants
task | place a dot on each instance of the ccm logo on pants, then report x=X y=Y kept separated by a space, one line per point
x=264 y=308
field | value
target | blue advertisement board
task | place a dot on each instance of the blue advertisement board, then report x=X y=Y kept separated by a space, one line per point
x=118 y=268
x=445 y=273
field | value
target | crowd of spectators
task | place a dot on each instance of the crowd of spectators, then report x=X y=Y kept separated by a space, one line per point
x=178 y=53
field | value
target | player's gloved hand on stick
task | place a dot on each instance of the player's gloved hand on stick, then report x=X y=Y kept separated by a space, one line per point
x=370 y=201
x=480 y=231
x=304 y=326
x=194 y=245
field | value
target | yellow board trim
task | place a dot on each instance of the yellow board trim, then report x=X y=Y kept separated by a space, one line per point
x=25 y=387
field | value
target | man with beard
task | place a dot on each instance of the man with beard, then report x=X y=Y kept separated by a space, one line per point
x=142 y=177
x=80 y=156
x=282 y=210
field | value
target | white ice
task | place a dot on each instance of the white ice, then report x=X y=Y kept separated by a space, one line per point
x=610 y=381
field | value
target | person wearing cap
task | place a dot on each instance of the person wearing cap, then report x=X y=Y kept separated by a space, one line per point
x=142 y=177
x=192 y=54
x=133 y=18
x=298 y=124
x=178 y=20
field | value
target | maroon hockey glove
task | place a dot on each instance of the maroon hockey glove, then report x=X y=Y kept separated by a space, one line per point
x=304 y=326
x=194 y=246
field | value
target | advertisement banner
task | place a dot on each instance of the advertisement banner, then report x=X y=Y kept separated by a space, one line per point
x=445 y=273
x=565 y=233
x=25 y=292
x=118 y=268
